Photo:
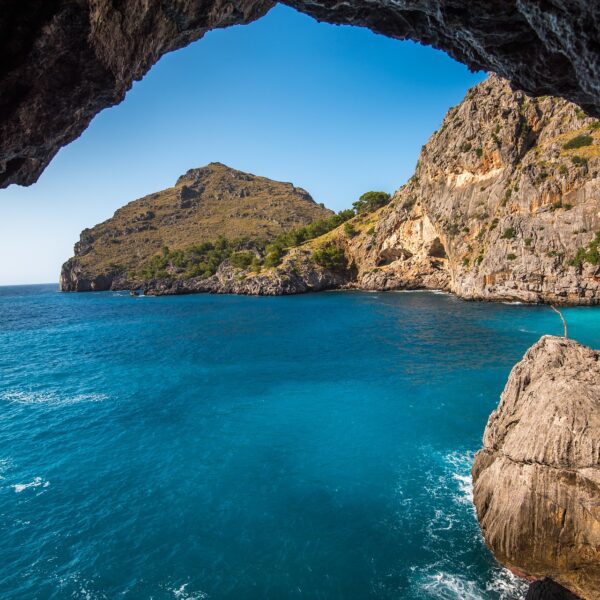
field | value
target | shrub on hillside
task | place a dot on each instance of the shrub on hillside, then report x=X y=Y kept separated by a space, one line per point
x=371 y=201
x=330 y=256
x=579 y=141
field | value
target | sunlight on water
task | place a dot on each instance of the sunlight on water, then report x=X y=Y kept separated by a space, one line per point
x=224 y=447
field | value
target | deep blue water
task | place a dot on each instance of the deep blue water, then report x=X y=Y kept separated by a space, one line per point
x=313 y=447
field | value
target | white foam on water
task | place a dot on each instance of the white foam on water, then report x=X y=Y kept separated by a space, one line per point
x=459 y=464
x=447 y=586
x=507 y=586
x=49 y=398
x=182 y=594
x=35 y=483
x=442 y=585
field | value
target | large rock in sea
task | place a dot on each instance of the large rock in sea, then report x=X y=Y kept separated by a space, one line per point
x=537 y=478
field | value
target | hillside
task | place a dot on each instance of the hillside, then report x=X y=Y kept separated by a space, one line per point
x=504 y=204
x=204 y=205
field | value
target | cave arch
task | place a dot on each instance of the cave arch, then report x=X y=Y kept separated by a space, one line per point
x=62 y=62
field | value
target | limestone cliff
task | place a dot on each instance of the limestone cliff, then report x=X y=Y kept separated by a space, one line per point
x=503 y=197
x=537 y=478
x=504 y=205
x=204 y=204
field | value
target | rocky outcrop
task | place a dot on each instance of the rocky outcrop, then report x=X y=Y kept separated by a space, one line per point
x=204 y=204
x=63 y=61
x=296 y=277
x=537 y=478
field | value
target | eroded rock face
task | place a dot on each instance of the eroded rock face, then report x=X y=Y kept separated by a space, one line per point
x=537 y=478
x=62 y=61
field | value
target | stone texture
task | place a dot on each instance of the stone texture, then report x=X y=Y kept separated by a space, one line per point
x=505 y=199
x=62 y=61
x=497 y=208
x=537 y=478
x=296 y=277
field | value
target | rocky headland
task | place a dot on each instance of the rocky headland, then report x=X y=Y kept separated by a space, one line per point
x=205 y=205
x=537 y=478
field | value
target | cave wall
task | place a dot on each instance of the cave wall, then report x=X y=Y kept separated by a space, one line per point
x=63 y=61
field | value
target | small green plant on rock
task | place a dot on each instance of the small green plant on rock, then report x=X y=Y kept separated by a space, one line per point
x=350 y=230
x=579 y=141
x=330 y=256
x=591 y=254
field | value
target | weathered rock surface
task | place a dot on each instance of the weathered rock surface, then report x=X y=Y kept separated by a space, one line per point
x=508 y=203
x=63 y=61
x=537 y=478
x=204 y=204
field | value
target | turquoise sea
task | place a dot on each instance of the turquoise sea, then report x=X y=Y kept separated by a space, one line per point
x=209 y=447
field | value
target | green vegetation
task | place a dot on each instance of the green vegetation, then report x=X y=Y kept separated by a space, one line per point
x=350 y=230
x=509 y=233
x=590 y=254
x=494 y=224
x=595 y=125
x=559 y=204
x=511 y=256
x=409 y=203
x=466 y=146
x=203 y=260
x=330 y=256
x=276 y=248
x=479 y=152
x=244 y=259
x=228 y=203
x=528 y=241
x=579 y=161
x=578 y=141
x=371 y=201
x=199 y=260
x=507 y=195
x=524 y=130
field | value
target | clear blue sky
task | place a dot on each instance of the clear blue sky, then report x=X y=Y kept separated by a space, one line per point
x=336 y=110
